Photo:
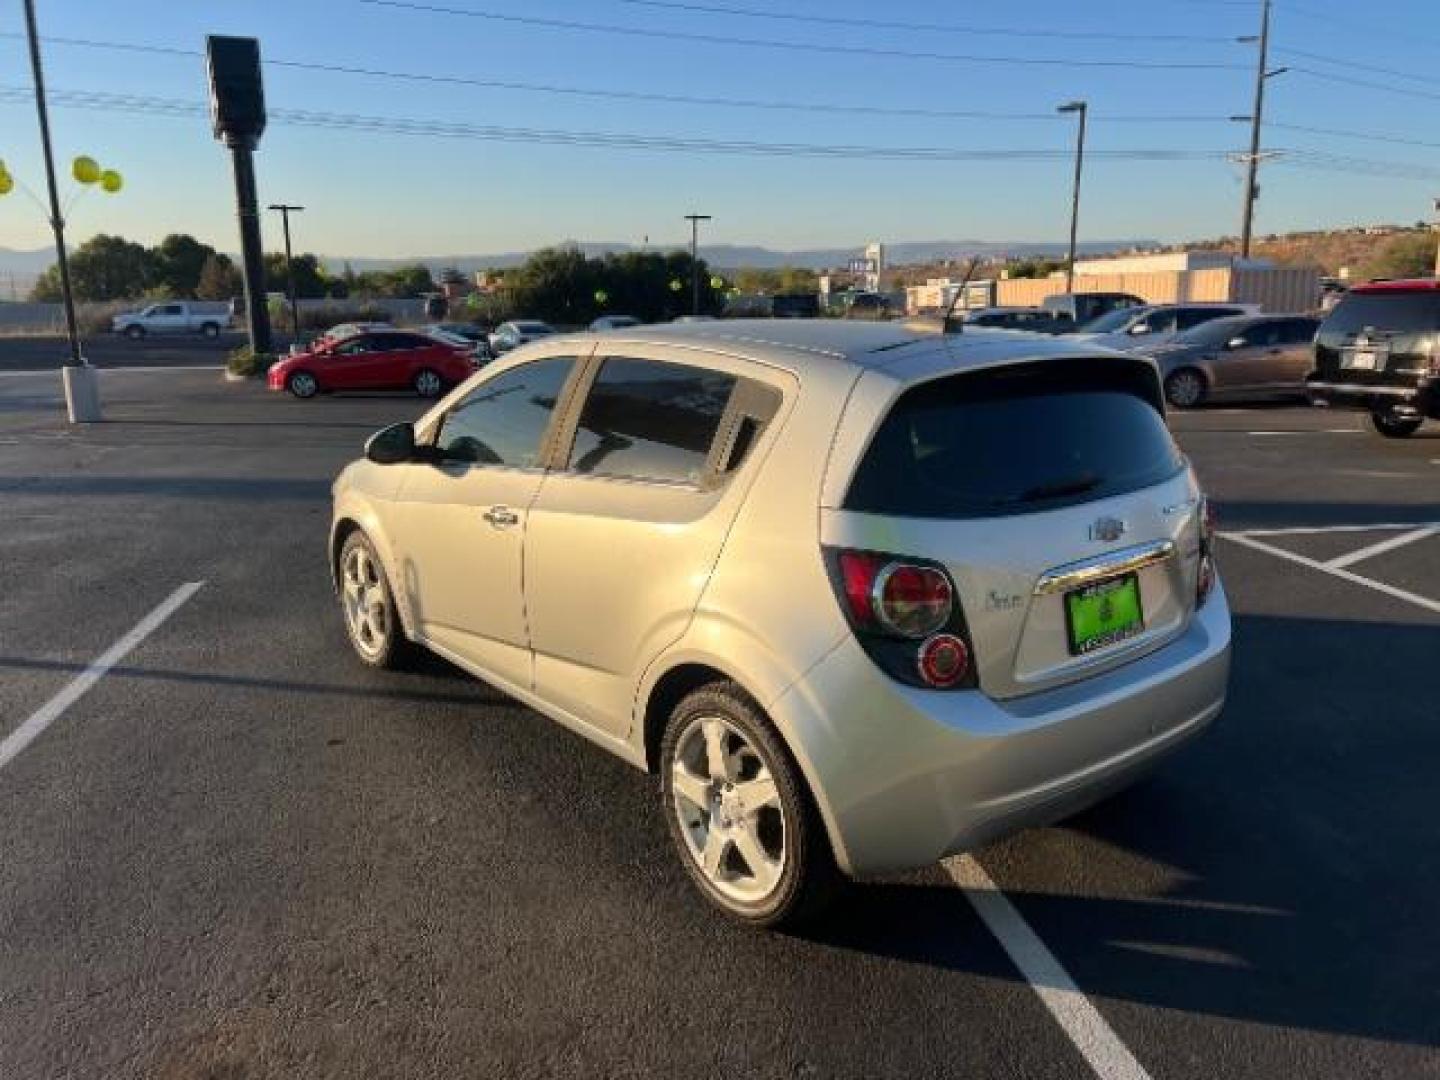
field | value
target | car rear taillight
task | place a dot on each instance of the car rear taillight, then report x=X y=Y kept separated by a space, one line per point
x=906 y=616
x=1205 y=577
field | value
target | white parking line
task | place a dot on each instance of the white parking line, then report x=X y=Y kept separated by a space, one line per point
x=1309 y=431
x=1383 y=546
x=1093 y=1037
x=117 y=370
x=1248 y=540
x=53 y=709
x=1320 y=530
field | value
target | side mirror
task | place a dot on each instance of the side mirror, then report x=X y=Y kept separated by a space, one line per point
x=1140 y=328
x=1236 y=343
x=393 y=445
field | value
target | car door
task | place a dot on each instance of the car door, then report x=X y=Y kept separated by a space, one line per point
x=1248 y=362
x=1297 y=354
x=169 y=319
x=459 y=525
x=625 y=532
x=357 y=363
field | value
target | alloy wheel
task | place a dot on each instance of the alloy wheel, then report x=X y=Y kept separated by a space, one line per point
x=303 y=385
x=729 y=810
x=427 y=384
x=367 y=610
x=1184 y=389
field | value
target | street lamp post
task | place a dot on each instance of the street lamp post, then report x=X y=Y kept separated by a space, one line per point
x=285 y=212
x=1083 y=109
x=695 y=220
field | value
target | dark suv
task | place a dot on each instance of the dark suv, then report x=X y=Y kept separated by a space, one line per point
x=1379 y=350
x=1071 y=311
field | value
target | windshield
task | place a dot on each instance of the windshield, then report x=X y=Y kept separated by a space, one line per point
x=1112 y=321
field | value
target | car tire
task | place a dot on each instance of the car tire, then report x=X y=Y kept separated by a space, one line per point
x=302 y=384
x=758 y=805
x=210 y=330
x=1185 y=389
x=367 y=605
x=428 y=383
x=1394 y=427
x=135 y=333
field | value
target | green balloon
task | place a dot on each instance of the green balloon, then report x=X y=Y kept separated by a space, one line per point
x=601 y=296
x=676 y=285
x=85 y=170
x=717 y=282
x=111 y=181
x=7 y=183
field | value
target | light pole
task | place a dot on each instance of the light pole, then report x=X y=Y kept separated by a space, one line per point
x=1437 y=230
x=1256 y=119
x=1083 y=109
x=285 y=212
x=695 y=220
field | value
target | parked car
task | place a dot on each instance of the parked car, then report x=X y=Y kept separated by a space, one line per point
x=476 y=338
x=614 y=322
x=374 y=360
x=1154 y=324
x=805 y=305
x=693 y=318
x=1243 y=356
x=862 y=597
x=1010 y=318
x=349 y=329
x=868 y=306
x=511 y=335
x=1379 y=350
x=171 y=317
x=1074 y=310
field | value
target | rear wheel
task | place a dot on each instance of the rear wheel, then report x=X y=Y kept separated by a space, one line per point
x=1185 y=389
x=742 y=821
x=302 y=384
x=210 y=330
x=427 y=383
x=135 y=333
x=1394 y=427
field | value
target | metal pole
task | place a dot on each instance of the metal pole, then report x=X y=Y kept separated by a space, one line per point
x=695 y=220
x=57 y=221
x=1083 y=109
x=250 y=252
x=285 y=211
x=1256 y=117
x=1437 y=246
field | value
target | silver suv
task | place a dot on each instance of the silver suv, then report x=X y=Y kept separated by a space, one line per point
x=862 y=597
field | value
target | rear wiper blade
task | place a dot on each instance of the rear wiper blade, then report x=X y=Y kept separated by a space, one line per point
x=1060 y=489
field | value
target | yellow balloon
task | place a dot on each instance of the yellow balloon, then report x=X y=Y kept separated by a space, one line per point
x=7 y=183
x=111 y=181
x=85 y=169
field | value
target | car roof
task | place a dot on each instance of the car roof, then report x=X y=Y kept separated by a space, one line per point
x=1399 y=285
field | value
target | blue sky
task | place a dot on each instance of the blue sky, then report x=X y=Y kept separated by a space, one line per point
x=389 y=194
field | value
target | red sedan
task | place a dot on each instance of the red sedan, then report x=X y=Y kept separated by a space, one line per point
x=374 y=360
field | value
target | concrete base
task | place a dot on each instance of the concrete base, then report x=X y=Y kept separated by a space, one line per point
x=82 y=393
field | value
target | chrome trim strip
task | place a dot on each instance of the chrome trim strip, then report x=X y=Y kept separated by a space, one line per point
x=1355 y=388
x=1075 y=575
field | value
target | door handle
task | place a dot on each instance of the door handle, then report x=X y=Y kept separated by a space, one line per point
x=502 y=517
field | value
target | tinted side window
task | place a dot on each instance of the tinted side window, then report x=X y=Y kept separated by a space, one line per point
x=1198 y=316
x=503 y=421
x=1298 y=331
x=650 y=420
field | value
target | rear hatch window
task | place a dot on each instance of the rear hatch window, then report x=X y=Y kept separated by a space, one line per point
x=1372 y=333
x=1017 y=440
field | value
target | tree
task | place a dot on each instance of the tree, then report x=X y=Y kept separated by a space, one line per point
x=309 y=278
x=103 y=268
x=179 y=261
x=410 y=281
x=219 y=279
x=1407 y=255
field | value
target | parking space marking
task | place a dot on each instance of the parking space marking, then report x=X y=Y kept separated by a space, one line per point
x=1320 y=530
x=1383 y=546
x=1309 y=431
x=1248 y=540
x=150 y=370
x=1081 y=1021
x=52 y=710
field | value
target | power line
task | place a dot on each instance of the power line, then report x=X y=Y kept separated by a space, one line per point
x=919 y=27
x=636 y=95
x=1367 y=26
x=1368 y=84
x=1368 y=136
x=170 y=107
x=1429 y=80
x=792 y=46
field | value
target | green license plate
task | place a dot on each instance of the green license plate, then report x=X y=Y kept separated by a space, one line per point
x=1103 y=614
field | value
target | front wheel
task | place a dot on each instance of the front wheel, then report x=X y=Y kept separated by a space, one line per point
x=1394 y=427
x=210 y=330
x=368 y=604
x=427 y=383
x=1185 y=389
x=302 y=384
x=738 y=811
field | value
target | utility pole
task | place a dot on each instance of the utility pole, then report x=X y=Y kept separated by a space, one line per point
x=82 y=389
x=285 y=212
x=1437 y=231
x=1256 y=118
x=1083 y=109
x=695 y=220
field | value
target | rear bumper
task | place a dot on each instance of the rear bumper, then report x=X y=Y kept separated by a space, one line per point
x=905 y=776
x=1423 y=399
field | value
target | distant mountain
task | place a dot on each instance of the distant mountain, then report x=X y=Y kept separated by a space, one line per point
x=732 y=256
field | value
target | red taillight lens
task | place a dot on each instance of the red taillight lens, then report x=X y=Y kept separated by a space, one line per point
x=858 y=572
x=943 y=661
x=911 y=601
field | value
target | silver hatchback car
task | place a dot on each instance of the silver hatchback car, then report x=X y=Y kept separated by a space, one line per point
x=862 y=597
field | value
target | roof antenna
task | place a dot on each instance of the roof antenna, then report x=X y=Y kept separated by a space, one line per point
x=958 y=326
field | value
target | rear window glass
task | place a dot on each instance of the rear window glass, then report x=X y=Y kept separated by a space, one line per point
x=1395 y=312
x=1017 y=440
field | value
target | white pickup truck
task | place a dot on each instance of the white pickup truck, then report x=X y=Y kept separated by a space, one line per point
x=171 y=317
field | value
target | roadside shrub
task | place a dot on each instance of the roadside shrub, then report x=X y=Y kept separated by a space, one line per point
x=244 y=361
x=322 y=318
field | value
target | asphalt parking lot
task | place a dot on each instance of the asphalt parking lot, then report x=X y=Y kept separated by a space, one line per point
x=240 y=854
